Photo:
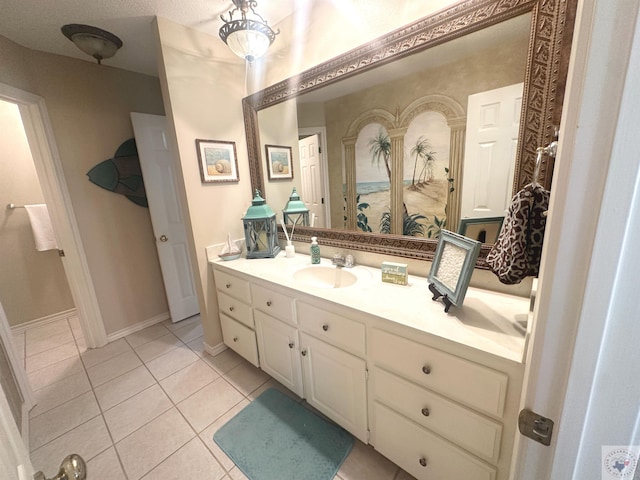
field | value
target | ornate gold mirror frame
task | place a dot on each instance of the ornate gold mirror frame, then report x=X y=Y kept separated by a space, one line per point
x=547 y=62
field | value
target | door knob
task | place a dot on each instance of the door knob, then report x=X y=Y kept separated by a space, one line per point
x=72 y=468
x=163 y=238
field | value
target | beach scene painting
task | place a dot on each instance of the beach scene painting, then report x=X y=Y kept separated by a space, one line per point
x=218 y=161
x=426 y=181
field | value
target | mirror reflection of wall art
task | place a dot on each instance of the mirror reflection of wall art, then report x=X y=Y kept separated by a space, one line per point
x=279 y=162
x=484 y=230
x=218 y=161
x=452 y=267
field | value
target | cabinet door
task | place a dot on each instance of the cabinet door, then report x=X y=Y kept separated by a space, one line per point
x=239 y=338
x=278 y=347
x=335 y=384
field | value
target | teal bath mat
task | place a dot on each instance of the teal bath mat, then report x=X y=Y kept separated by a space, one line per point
x=275 y=438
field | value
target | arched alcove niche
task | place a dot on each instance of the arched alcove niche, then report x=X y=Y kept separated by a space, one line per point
x=396 y=126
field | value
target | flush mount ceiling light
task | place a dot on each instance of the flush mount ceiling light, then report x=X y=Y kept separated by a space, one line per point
x=249 y=37
x=93 y=41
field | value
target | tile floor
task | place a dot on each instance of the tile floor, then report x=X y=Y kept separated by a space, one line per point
x=147 y=406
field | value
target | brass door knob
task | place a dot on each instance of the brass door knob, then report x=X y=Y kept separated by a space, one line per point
x=426 y=369
x=164 y=238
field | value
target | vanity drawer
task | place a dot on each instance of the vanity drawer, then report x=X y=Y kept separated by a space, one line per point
x=332 y=328
x=240 y=339
x=232 y=285
x=470 y=383
x=272 y=303
x=422 y=453
x=236 y=309
x=474 y=432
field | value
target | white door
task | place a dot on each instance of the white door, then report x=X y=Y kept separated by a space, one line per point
x=16 y=399
x=311 y=171
x=156 y=160
x=493 y=118
x=335 y=384
x=278 y=348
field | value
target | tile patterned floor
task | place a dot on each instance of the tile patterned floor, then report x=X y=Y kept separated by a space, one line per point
x=147 y=406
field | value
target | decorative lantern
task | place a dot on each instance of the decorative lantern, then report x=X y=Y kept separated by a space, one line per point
x=295 y=212
x=260 y=232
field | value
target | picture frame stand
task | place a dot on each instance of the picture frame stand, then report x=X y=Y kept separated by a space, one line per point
x=437 y=294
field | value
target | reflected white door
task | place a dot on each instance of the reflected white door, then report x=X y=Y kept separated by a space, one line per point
x=311 y=172
x=156 y=161
x=493 y=119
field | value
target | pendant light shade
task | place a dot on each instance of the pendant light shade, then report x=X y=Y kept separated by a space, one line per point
x=249 y=36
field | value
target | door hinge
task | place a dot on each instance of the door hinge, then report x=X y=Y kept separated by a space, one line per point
x=535 y=426
x=366 y=374
x=61 y=253
x=320 y=150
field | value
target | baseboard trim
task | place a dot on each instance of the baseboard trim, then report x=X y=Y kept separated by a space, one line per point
x=137 y=327
x=214 y=350
x=38 y=322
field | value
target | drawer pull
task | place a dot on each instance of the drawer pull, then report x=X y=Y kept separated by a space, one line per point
x=423 y=462
x=268 y=303
x=325 y=327
x=291 y=345
x=303 y=353
x=235 y=339
x=425 y=412
x=231 y=309
x=426 y=369
x=228 y=285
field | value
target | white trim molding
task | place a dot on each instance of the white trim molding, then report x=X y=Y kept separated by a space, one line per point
x=138 y=326
x=39 y=322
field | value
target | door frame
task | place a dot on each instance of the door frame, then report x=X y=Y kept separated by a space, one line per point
x=566 y=303
x=322 y=134
x=46 y=158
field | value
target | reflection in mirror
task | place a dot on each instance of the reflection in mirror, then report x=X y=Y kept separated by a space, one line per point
x=405 y=118
x=430 y=93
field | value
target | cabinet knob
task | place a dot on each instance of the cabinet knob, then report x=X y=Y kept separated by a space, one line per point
x=426 y=369
x=291 y=345
x=425 y=412
x=423 y=462
x=325 y=327
x=228 y=285
x=268 y=303
x=235 y=339
x=303 y=353
x=231 y=309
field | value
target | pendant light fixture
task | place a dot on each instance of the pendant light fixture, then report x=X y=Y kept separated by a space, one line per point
x=248 y=36
x=93 y=41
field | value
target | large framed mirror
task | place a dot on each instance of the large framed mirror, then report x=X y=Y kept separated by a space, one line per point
x=407 y=98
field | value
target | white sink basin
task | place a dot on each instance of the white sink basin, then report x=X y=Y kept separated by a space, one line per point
x=325 y=277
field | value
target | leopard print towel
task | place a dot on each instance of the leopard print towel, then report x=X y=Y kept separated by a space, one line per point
x=516 y=253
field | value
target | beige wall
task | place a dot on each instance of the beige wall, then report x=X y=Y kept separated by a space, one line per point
x=89 y=105
x=33 y=284
x=279 y=126
x=202 y=88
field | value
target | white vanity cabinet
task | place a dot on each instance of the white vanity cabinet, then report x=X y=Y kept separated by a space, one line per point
x=332 y=347
x=236 y=315
x=438 y=394
x=278 y=339
x=438 y=415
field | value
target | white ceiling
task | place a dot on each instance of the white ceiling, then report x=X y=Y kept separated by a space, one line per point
x=36 y=24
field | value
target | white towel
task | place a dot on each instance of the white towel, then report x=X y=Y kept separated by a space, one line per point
x=41 y=226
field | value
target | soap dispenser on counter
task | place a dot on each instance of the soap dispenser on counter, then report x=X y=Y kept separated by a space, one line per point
x=315 y=251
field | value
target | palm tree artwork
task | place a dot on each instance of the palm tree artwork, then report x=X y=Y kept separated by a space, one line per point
x=422 y=151
x=380 y=149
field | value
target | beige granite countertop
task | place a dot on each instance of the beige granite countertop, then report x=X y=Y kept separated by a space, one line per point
x=492 y=322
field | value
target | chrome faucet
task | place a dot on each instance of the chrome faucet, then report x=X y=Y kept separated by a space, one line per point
x=342 y=261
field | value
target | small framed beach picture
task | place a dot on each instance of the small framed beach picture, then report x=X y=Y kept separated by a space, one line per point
x=279 y=162
x=452 y=267
x=484 y=230
x=218 y=161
